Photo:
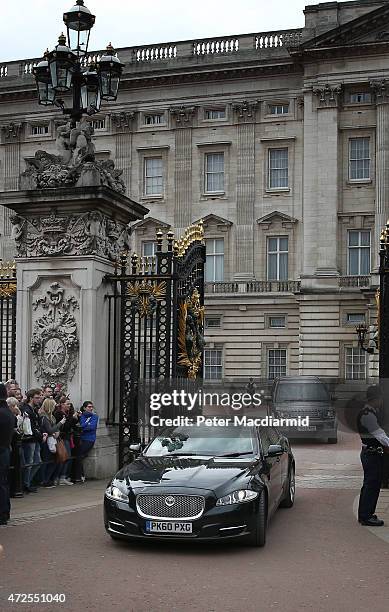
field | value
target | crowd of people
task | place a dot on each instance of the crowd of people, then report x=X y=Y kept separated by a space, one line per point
x=44 y=437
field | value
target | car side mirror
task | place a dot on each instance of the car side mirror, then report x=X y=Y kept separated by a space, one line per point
x=274 y=450
x=267 y=398
x=135 y=448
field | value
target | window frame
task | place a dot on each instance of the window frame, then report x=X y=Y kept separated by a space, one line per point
x=271 y=150
x=276 y=316
x=207 y=155
x=276 y=105
x=350 y=160
x=278 y=252
x=270 y=349
x=160 y=194
x=359 y=247
x=210 y=109
x=219 y=349
x=217 y=318
x=214 y=255
x=346 y=364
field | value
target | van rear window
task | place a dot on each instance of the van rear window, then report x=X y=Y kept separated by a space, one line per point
x=301 y=392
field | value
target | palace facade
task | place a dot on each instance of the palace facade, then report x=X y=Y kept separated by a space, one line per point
x=279 y=141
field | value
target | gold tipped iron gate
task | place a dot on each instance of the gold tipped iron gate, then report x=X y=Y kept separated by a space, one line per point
x=156 y=329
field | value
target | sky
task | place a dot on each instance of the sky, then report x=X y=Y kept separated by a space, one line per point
x=28 y=27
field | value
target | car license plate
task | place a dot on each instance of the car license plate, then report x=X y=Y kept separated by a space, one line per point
x=168 y=527
x=310 y=428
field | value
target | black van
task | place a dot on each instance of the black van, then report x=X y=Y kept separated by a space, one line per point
x=294 y=396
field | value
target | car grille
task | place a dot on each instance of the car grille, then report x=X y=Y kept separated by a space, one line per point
x=170 y=506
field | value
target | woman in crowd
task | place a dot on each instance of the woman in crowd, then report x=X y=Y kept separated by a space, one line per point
x=88 y=422
x=50 y=430
x=65 y=409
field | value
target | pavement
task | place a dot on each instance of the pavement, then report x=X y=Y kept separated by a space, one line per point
x=53 y=502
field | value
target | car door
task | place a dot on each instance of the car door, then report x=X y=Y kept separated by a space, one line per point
x=273 y=470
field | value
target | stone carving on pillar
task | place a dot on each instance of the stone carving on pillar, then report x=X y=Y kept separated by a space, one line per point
x=123 y=121
x=380 y=90
x=246 y=110
x=183 y=115
x=75 y=165
x=54 y=341
x=328 y=94
x=90 y=233
x=11 y=132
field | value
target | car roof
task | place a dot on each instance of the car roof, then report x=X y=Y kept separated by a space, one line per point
x=296 y=379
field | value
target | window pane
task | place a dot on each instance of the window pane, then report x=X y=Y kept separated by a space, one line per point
x=353 y=262
x=355 y=363
x=273 y=244
x=272 y=267
x=359 y=152
x=283 y=266
x=365 y=261
x=284 y=243
x=148 y=249
x=276 y=363
x=353 y=238
x=365 y=238
x=214 y=264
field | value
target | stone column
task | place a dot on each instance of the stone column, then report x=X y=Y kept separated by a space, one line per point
x=10 y=139
x=381 y=94
x=245 y=190
x=183 y=121
x=327 y=168
x=67 y=241
x=123 y=122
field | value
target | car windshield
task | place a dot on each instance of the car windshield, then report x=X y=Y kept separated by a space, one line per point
x=301 y=392
x=208 y=441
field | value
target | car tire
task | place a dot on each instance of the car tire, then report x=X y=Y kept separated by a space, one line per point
x=333 y=440
x=258 y=537
x=288 y=500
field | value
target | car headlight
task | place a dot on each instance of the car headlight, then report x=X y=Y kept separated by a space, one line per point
x=237 y=497
x=117 y=491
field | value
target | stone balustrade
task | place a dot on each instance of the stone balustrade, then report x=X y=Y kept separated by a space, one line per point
x=289 y=286
x=185 y=51
x=355 y=281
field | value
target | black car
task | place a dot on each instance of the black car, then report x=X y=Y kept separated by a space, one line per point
x=203 y=484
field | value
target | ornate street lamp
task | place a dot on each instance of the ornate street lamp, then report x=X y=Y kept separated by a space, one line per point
x=63 y=70
x=46 y=93
x=367 y=337
x=79 y=21
x=109 y=70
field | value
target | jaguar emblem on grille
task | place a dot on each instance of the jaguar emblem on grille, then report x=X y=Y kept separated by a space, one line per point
x=170 y=501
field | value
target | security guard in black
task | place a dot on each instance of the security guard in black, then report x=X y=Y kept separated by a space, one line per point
x=374 y=443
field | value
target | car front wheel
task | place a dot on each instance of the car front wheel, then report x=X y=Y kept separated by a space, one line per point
x=288 y=500
x=258 y=537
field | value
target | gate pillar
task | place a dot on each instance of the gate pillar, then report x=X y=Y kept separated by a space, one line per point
x=67 y=242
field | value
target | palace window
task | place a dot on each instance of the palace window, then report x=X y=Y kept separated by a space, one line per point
x=355 y=363
x=39 y=130
x=213 y=363
x=214 y=113
x=355 y=318
x=358 y=252
x=214 y=173
x=212 y=322
x=153 y=176
x=277 y=258
x=359 y=159
x=278 y=169
x=154 y=119
x=360 y=97
x=276 y=363
x=277 y=322
x=214 y=262
x=278 y=109
x=98 y=124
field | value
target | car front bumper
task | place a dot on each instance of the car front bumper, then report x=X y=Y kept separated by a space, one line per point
x=217 y=523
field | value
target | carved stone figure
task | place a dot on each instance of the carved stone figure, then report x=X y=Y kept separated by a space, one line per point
x=74 y=166
x=54 y=341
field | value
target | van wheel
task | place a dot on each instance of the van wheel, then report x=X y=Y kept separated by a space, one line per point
x=258 y=537
x=288 y=500
x=333 y=440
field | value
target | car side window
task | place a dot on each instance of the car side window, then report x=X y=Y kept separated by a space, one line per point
x=265 y=439
x=273 y=435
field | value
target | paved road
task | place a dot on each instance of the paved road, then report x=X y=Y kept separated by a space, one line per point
x=316 y=558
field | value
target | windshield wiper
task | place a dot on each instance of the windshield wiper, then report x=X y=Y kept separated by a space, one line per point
x=236 y=454
x=181 y=455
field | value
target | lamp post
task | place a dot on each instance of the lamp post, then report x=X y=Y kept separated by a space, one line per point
x=65 y=69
